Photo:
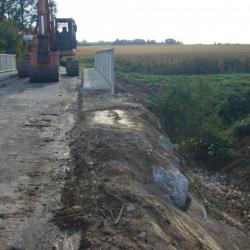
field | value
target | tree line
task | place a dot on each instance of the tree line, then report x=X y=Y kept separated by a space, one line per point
x=169 y=41
x=16 y=16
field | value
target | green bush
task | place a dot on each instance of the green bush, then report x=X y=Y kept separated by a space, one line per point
x=190 y=114
x=10 y=41
x=212 y=148
x=236 y=106
x=242 y=128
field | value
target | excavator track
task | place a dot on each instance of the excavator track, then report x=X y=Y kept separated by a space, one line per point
x=72 y=67
x=23 y=68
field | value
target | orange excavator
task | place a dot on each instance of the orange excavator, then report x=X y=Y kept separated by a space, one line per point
x=51 y=41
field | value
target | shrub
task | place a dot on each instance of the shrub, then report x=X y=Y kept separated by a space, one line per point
x=10 y=40
x=236 y=107
x=190 y=114
x=242 y=128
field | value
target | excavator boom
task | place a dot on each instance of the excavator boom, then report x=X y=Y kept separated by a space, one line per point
x=44 y=59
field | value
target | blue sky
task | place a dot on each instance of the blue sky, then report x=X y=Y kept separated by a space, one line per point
x=190 y=21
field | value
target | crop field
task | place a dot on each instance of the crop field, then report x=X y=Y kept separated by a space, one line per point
x=176 y=60
x=163 y=51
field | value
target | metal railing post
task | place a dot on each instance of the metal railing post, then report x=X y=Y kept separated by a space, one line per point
x=7 y=63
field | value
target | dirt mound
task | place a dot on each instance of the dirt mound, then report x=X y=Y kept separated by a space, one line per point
x=111 y=199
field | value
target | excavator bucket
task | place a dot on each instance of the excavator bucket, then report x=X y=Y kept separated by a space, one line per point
x=44 y=69
x=44 y=75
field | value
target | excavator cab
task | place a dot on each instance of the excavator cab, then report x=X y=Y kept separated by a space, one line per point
x=66 y=29
x=65 y=34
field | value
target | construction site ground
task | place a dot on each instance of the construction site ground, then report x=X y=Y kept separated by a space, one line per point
x=76 y=173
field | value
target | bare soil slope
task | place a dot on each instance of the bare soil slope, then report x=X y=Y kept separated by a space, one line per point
x=111 y=199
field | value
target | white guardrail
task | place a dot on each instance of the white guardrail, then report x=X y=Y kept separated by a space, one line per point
x=7 y=63
x=104 y=63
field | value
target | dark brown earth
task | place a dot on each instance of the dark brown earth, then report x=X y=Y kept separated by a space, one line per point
x=111 y=199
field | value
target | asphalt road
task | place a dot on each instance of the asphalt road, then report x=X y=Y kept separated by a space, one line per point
x=34 y=158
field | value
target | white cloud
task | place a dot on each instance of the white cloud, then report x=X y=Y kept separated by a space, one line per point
x=191 y=21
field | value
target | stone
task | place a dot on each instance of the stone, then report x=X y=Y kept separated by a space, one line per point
x=169 y=147
x=142 y=235
x=130 y=208
x=175 y=184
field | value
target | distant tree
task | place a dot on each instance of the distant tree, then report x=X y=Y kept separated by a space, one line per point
x=171 y=41
x=22 y=12
x=151 y=42
x=133 y=42
x=82 y=43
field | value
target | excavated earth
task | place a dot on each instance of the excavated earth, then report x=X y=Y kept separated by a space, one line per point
x=78 y=173
x=111 y=199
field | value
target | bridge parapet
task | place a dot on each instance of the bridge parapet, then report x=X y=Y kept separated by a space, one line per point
x=7 y=63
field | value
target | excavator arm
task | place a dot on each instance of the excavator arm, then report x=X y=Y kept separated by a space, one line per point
x=44 y=59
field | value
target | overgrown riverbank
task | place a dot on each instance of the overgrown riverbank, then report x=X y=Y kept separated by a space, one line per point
x=205 y=115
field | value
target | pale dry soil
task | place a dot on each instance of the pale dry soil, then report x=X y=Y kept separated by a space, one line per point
x=34 y=159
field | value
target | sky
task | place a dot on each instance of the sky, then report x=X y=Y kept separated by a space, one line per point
x=189 y=21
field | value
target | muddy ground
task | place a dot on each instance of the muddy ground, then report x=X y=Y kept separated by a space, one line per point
x=76 y=172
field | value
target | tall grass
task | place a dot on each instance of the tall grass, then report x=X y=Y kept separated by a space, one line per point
x=176 y=60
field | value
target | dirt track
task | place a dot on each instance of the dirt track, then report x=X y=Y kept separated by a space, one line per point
x=34 y=158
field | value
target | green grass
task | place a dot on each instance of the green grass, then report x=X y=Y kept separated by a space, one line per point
x=198 y=111
x=224 y=79
x=225 y=84
x=86 y=63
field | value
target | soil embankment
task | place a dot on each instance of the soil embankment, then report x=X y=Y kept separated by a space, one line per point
x=114 y=200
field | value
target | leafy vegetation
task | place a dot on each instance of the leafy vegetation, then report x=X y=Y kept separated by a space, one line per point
x=21 y=12
x=198 y=111
x=16 y=16
x=241 y=128
x=9 y=39
x=201 y=112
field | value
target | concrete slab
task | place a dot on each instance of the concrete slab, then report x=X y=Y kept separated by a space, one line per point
x=93 y=80
x=7 y=75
